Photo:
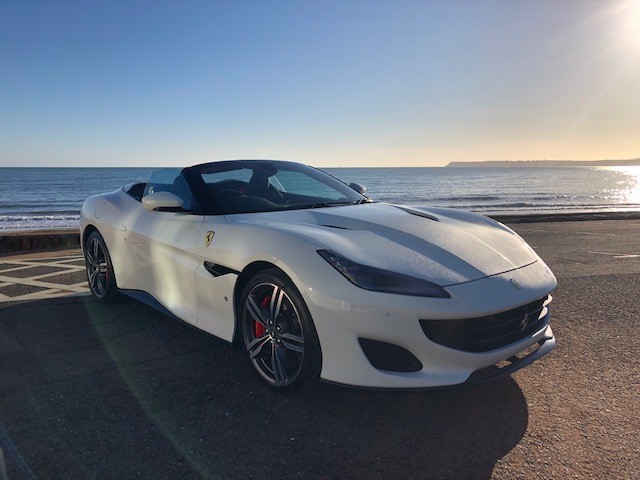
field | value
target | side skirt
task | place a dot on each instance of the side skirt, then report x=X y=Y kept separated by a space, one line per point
x=150 y=300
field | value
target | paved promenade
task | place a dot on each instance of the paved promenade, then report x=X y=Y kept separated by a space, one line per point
x=120 y=391
x=39 y=276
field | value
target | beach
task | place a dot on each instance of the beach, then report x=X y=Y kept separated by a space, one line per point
x=166 y=400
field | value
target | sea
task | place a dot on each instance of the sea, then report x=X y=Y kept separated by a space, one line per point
x=50 y=198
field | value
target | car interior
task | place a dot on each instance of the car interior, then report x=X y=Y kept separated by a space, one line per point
x=235 y=195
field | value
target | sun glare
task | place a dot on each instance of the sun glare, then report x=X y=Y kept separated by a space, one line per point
x=632 y=19
x=624 y=17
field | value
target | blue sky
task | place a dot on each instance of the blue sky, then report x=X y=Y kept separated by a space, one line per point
x=356 y=83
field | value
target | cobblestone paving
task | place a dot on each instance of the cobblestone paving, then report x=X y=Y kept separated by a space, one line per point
x=40 y=276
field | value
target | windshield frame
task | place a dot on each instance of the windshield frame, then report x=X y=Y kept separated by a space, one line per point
x=209 y=206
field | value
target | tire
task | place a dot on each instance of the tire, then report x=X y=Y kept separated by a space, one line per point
x=100 y=276
x=279 y=336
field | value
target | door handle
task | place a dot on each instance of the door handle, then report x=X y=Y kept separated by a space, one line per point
x=123 y=227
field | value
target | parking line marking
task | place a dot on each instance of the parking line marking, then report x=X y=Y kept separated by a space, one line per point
x=616 y=255
x=597 y=233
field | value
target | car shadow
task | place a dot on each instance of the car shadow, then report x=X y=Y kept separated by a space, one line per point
x=92 y=390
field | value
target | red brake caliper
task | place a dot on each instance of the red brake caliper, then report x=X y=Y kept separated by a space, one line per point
x=257 y=326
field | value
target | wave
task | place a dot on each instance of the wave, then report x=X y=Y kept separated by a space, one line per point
x=480 y=198
x=524 y=205
x=545 y=208
x=462 y=201
x=36 y=218
x=492 y=198
x=51 y=221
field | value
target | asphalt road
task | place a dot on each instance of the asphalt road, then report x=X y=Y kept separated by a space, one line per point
x=94 y=391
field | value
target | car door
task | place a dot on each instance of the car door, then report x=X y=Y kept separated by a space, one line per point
x=218 y=255
x=161 y=248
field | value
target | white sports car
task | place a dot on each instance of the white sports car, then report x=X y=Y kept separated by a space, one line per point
x=316 y=281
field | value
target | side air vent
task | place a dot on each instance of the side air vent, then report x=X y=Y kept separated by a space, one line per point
x=218 y=270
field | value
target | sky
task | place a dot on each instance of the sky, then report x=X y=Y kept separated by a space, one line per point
x=344 y=83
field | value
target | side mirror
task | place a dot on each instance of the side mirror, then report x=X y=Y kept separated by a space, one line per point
x=358 y=187
x=161 y=200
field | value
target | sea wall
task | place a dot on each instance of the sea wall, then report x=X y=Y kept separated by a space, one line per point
x=13 y=242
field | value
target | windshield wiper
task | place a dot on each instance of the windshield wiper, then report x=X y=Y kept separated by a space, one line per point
x=325 y=204
x=329 y=204
x=322 y=205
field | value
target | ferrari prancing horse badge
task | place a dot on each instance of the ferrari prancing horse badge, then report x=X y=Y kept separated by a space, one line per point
x=208 y=238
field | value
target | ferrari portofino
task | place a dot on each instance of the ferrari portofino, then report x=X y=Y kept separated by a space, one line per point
x=316 y=281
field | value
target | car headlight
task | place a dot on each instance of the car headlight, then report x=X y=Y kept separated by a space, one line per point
x=379 y=280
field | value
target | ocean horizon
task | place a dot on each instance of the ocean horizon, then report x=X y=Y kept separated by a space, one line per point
x=42 y=198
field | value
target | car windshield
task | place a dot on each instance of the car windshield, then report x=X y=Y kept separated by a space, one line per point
x=263 y=186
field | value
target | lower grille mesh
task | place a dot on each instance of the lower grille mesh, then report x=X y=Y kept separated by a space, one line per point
x=487 y=333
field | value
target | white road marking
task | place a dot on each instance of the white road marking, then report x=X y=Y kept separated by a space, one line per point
x=17 y=267
x=36 y=283
x=48 y=259
x=597 y=233
x=616 y=254
x=51 y=289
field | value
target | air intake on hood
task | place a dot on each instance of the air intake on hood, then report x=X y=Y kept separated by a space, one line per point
x=336 y=226
x=417 y=213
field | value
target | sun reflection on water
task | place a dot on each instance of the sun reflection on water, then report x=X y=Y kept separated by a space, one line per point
x=627 y=184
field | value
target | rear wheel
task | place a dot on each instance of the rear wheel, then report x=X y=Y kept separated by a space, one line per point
x=100 y=276
x=279 y=336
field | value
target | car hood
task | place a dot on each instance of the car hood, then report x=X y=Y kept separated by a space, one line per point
x=445 y=246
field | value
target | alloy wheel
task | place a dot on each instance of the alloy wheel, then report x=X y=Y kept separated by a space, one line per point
x=273 y=334
x=97 y=267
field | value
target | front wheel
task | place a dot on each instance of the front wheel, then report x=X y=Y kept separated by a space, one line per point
x=100 y=276
x=279 y=335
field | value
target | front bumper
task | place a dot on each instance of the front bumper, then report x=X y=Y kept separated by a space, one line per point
x=512 y=364
x=494 y=372
x=344 y=313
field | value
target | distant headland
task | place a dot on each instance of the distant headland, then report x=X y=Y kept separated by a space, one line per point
x=548 y=163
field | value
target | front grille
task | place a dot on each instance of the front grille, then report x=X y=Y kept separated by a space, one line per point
x=487 y=333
